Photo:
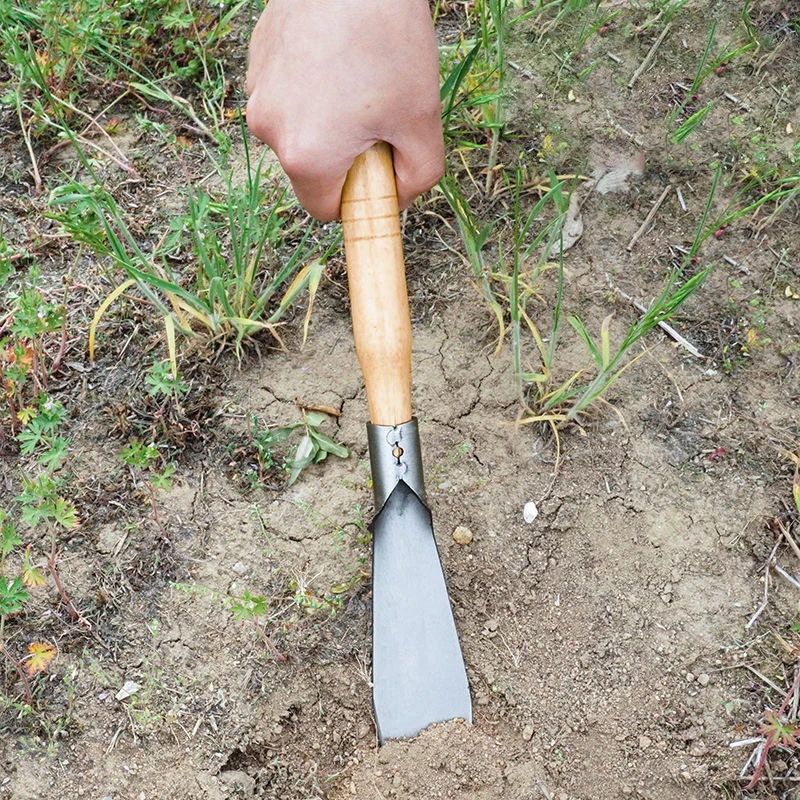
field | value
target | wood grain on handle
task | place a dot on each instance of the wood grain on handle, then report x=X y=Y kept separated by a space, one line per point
x=377 y=279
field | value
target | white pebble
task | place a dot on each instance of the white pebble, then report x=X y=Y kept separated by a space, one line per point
x=530 y=512
x=462 y=535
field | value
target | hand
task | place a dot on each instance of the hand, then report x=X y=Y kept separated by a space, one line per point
x=329 y=78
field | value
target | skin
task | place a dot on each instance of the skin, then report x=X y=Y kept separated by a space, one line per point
x=329 y=78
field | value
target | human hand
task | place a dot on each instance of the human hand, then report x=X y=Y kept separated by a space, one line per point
x=329 y=78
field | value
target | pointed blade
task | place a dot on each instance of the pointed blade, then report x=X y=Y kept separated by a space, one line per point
x=417 y=668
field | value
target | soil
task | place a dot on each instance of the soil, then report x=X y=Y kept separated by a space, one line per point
x=611 y=642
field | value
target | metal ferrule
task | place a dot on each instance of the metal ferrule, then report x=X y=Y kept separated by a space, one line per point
x=395 y=455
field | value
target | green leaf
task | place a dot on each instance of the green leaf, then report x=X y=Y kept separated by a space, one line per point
x=8 y=536
x=597 y=356
x=64 y=514
x=304 y=455
x=315 y=418
x=328 y=445
x=12 y=595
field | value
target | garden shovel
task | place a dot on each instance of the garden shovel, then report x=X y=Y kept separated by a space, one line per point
x=418 y=672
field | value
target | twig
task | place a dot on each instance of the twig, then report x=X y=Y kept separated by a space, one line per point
x=544 y=790
x=784 y=574
x=649 y=57
x=637 y=140
x=678 y=192
x=734 y=263
x=522 y=71
x=747 y=742
x=26 y=686
x=681 y=340
x=74 y=614
x=762 y=678
x=649 y=218
x=114 y=739
x=789 y=538
x=763 y=605
x=754 y=756
x=37 y=178
x=736 y=101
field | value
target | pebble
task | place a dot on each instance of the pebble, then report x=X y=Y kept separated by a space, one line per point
x=527 y=733
x=704 y=679
x=530 y=512
x=645 y=742
x=462 y=535
x=689 y=677
x=492 y=625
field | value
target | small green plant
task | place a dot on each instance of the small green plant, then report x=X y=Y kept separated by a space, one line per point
x=138 y=455
x=163 y=380
x=25 y=365
x=314 y=445
x=246 y=608
x=58 y=50
x=19 y=576
x=40 y=433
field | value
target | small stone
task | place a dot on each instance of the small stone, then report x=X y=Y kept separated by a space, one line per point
x=527 y=733
x=689 y=677
x=645 y=742
x=666 y=599
x=530 y=512
x=462 y=535
x=704 y=679
x=240 y=568
x=364 y=731
x=492 y=625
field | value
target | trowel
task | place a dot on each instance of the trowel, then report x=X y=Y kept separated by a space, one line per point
x=418 y=671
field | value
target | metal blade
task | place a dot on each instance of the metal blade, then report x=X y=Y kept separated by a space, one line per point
x=417 y=668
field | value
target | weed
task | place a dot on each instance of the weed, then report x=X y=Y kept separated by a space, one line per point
x=29 y=326
x=59 y=50
x=232 y=296
x=138 y=455
x=246 y=608
x=314 y=446
x=162 y=380
x=18 y=578
x=517 y=281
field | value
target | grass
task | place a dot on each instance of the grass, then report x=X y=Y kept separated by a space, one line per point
x=231 y=296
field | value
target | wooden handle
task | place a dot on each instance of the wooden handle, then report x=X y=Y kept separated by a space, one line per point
x=376 y=275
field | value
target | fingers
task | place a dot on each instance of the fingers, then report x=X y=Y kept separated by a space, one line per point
x=418 y=160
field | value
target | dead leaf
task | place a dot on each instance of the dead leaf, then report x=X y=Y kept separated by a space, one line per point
x=572 y=229
x=41 y=654
x=615 y=177
x=129 y=688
